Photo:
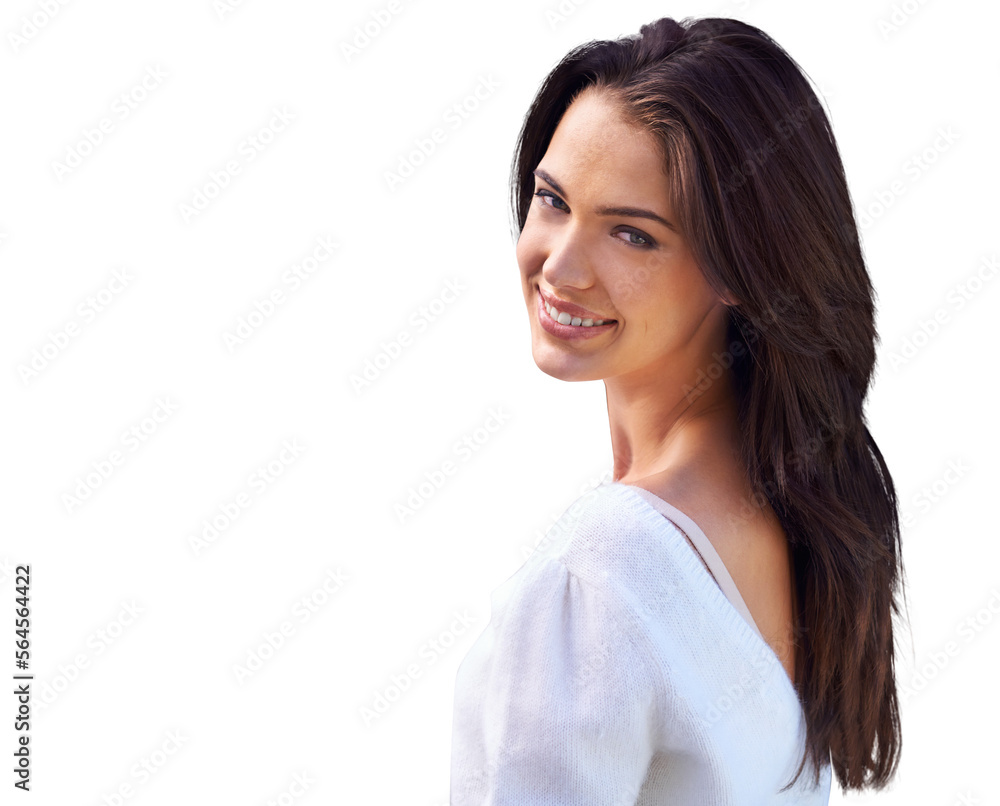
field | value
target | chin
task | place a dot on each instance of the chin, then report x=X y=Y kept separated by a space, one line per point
x=564 y=367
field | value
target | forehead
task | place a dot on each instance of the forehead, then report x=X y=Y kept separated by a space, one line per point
x=595 y=150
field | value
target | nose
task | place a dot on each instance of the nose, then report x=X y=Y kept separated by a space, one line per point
x=566 y=259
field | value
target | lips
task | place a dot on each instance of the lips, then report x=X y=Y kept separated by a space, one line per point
x=569 y=334
x=571 y=309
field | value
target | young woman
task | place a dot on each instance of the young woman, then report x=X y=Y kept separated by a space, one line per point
x=720 y=614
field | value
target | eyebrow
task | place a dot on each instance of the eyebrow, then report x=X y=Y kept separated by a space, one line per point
x=628 y=212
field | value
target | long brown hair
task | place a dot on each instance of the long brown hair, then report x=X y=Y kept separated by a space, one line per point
x=758 y=186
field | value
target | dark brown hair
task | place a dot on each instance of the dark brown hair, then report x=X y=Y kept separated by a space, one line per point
x=759 y=190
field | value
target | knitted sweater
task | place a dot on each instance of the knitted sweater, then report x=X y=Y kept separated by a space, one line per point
x=615 y=672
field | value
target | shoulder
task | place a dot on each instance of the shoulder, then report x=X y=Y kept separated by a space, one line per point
x=741 y=526
x=555 y=696
x=611 y=540
x=596 y=521
x=614 y=541
x=596 y=637
x=571 y=633
x=629 y=568
x=752 y=544
x=600 y=566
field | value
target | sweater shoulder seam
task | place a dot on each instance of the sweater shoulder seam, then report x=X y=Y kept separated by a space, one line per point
x=616 y=606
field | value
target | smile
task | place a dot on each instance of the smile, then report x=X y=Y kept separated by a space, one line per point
x=561 y=324
x=572 y=321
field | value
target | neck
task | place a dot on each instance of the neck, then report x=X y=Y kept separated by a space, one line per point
x=656 y=427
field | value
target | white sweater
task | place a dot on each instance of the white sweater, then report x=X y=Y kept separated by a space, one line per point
x=615 y=672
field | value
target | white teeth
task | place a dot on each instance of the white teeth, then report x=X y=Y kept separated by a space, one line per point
x=565 y=319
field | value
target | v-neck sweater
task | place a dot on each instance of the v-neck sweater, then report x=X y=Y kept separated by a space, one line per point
x=620 y=666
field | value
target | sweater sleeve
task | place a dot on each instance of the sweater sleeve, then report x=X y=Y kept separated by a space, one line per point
x=560 y=702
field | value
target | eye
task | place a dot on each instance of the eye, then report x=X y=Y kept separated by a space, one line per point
x=544 y=194
x=636 y=238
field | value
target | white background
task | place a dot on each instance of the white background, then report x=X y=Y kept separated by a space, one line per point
x=893 y=76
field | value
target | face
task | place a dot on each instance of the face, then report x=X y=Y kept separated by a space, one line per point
x=599 y=242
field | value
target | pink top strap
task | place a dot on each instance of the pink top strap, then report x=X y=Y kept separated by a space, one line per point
x=706 y=551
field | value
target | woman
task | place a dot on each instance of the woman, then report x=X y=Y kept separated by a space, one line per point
x=720 y=614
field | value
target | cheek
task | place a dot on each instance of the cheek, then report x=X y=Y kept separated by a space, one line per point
x=529 y=251
x=632 y=284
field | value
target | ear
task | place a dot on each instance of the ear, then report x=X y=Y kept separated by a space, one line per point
x=725 y=295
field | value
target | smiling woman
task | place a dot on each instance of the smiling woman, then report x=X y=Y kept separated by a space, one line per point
x=581 y=249
x=720 y=614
